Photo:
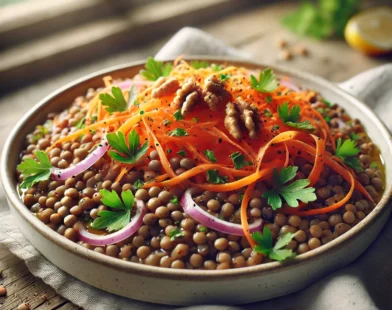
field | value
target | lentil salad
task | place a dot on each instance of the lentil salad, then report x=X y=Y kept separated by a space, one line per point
x=215 y=134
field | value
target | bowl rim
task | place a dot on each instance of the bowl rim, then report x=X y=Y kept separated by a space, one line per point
x=7 y=174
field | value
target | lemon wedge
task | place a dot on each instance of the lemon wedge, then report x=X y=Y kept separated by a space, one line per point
x=371 y=31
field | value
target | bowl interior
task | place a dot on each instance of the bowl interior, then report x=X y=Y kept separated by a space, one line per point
x=62 y=98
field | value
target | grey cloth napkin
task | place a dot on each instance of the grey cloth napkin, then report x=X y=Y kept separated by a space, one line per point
x=365 y=284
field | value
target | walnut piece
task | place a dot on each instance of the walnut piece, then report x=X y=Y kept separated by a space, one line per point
x=241 y=112
x=186 y=96
x=165 y=87
x=214 y=92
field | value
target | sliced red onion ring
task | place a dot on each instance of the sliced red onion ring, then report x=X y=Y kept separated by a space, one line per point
x=126 y=85
x=206 y=219
x=290 y=85
x=91 y=159
x=118 y=236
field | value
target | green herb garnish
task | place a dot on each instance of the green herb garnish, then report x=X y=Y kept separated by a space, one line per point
x=276 y=252
x=182 y=153
x=141 y=112
x=114 y=220
x=115 y=103
x=177 y=115
x=42 y=131
x=374 y=165
x=179 y=132
x=176 y=233
x=155 y=69
x=346 y=151
x=292 y=192
x=169 y=151
x=126 y=153
x=327 y=103
x=35 y=171
x=174 y=199
x=203 y=229
x=210 y=156
x=354 y=136
x=138 y=184
x=268 y=99
x=214 y=177
x=224 y=77
x=195 y=119
x=266 y=83
x=239 y=160
x=327 y=119
x=216 y=67
x=81 y=124
x=199 y=64
x=267 y=113
x=291 y=116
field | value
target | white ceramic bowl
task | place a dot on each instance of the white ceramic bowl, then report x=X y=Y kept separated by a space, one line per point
x=184 y=287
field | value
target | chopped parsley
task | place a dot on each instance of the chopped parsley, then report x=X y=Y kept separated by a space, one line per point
x=118 y=219
x=216 y=67
x=214 y=177
x=239 y=160
x=179 y=132
x=354 y=136
x=176 y=233
x=347 y=151
x=126 y=153
x=141 y=112
x=224 y=77
x=169 y=151
x=174 y=200
x=374 y=165
x=166 y=122
x=195 y=119
x=266 y=83
x=327 y=119
x=199 y=64
x=267 y=113
x=327 y=103
x=203 y=229
x=182 y=153
x=291 y=116
x=115 y=103
x=35 y=171
x=138 y=184
x=81 y=123
x=210 y=156
x=290 y=192
x=177 y=115
x=155 y=69
x=268 y=99
x=41 y=132
x=277 y=252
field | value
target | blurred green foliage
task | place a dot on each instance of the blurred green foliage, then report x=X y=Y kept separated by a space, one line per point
x=321 y=19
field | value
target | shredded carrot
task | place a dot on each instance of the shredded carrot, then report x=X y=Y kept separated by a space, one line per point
x=123 y=171
x=244 y=216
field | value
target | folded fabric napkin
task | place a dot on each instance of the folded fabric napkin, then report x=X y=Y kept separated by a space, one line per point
x=365 y=284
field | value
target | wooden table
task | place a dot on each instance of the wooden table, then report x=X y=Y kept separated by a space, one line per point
x=255 y=31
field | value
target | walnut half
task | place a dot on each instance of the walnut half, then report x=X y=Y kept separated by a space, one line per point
x=163 y=87
x=214 y=92
x=241 y=113
x=186 y=96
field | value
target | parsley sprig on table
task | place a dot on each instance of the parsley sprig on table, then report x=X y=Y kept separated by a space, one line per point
x=126 y=153
x=114 y=220
x=291 y=116
x=35 y=171
x=115 y=103
x=276 y=252
x=266 y=83
x=290 y=192
x=155 y=69
x=239 y=160
x=346 y=151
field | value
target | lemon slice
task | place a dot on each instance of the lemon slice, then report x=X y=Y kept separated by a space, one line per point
x=371 y=31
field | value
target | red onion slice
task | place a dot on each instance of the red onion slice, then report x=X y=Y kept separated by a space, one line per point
x=118 y=236
x=91 y=159
x=208 y=220
x=126 y=85
x=290 y=85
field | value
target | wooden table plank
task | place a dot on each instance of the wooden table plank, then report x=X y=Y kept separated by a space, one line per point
x=254 y=31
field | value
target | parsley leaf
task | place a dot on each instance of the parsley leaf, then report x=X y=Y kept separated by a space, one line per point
x=195 y=119
x=374 y=165
x=115 y=103
x=176 y=233
x=291 y=116
x=35 y=171
x=292 y=192
x=138 y=184
x=199 y=64
x=114 y=220
x=155 y=69
x=182 y=153
x=354 y=136
x=214 y=177
x=179 y=132
x=216 y=67
x=346 y=151
x=276 y=252
x=268 y=99
x=239 y=160
x=177 y=115
x=327 y=103
x=174 y=199
x=267 y=113
x=81 y=124
x=210 y=156
x=41 y=132
x=224 y=77
x=126 y=153
x=267 y=81
x=203 y=229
